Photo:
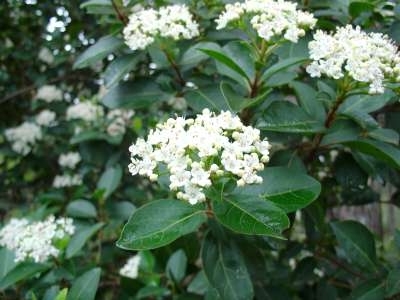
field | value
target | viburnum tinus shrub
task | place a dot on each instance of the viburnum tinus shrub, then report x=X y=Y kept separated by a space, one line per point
x=238 y=130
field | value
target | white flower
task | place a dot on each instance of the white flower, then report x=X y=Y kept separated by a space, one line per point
x=46 y=118
x=131 y=268
x=370 y=58
x=86 y=111
x=270 y=18
x=46 y=56
x=173 y=21
x=187 y=146
x=119 y=119
x=35 y=240
x=49 y=93
x=66 y=180
x=69 y=160
x=177 y=103
x=24 y=137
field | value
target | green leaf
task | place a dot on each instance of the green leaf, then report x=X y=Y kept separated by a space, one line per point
x=7 y=262
x=138 y=94
x=369 y=290
x=380 y=150
x=165 y=220
x=357 y=8
x=110 y=180
x=199 y=284
x=393 y=283
x=79 y=239
x=150 y=292
x=176 y=266
x=307 y=97
x=280 y=78
x=62 y=295
x=118 y=68
x=365 y=103
x=23 y=271
x=227 y=61
x=283 y=116
x=85 y=136
x=357 y=242
x=385 y=135
x=193 y=56
x=98 y=7
x=225 y=269
x=282 y=65
x=287 y=188
x=207 y=97
x=250 y=215
x=85 y=286
x=81 y=209
x=98 y=51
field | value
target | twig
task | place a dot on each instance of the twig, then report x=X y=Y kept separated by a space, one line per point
x=120 y=15
x=175 y=67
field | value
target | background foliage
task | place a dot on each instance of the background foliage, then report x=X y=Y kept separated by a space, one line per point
x=317 y=173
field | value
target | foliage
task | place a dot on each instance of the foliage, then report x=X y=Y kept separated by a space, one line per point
x=334 y=146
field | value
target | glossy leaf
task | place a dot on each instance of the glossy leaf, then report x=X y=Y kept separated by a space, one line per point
x=165 y=220
x=81 y=209
x=283 y=116
x=86 y=136
x=225 y=269
x=98 y=51
x=7 y=261
x=369 y=290
x=282 y=65
x=307 y=97
x=138 y=94
x=207 y=97
x=85 y=286
x=393 y=283
x=110 y=180
x=357 y=242
x=176 y=266
x=118 y=68
x=193 y=56
x=250 y=215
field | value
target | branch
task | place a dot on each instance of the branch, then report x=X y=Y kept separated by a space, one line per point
x=120 y=15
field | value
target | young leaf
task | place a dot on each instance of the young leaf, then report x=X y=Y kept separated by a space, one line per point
x=158 y=223
x=85 y=286
x=357 y=242
x=250 y=215
x=225 y=269
x=98 y=51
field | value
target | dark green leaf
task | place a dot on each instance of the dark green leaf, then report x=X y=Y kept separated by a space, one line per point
x=365 y=103
x=357 y=242
x=199 y=284
x=250 y=215
x=280 y=78
x=7 y=261
x=85 y=286
x=117 y=69
x=98 y=51
x=165 y=221
x=85 y=136
x=176 y=266
x=225 y=270
x=282 y=65
x=207 y=97
x=356 y=8
x=285 y=187
x=23 y=271
x=369 y=290
x=81 y=209
x=137 y=94
x=393 y=283
x=385 y=135
x=283 y=116
x=110 y=180
x=193 y=56
x=149 y=292
x=79 y=239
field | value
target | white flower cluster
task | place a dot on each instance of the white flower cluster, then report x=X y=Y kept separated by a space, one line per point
x=270 y=18
x=172 y=21
x=46 y=56
x=86 y=111
x=366 y=57
x=131 y=268
x=69 y=160
x=118 y=120
x=49 y=93
x=35 y=240
x=67 y=180
x=198 y=150
x=46 y=118
x=24 y=137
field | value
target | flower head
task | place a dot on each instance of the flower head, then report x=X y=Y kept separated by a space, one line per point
x=46 y=118
x=366 y=57
x=197 y=151
x=24 y=137
x=172 y=21
x=131 y=268
x=270 y=18
x=86 y=111
x=35 y=240
x=49 y=93
x=69 y=160
x=66 y=180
